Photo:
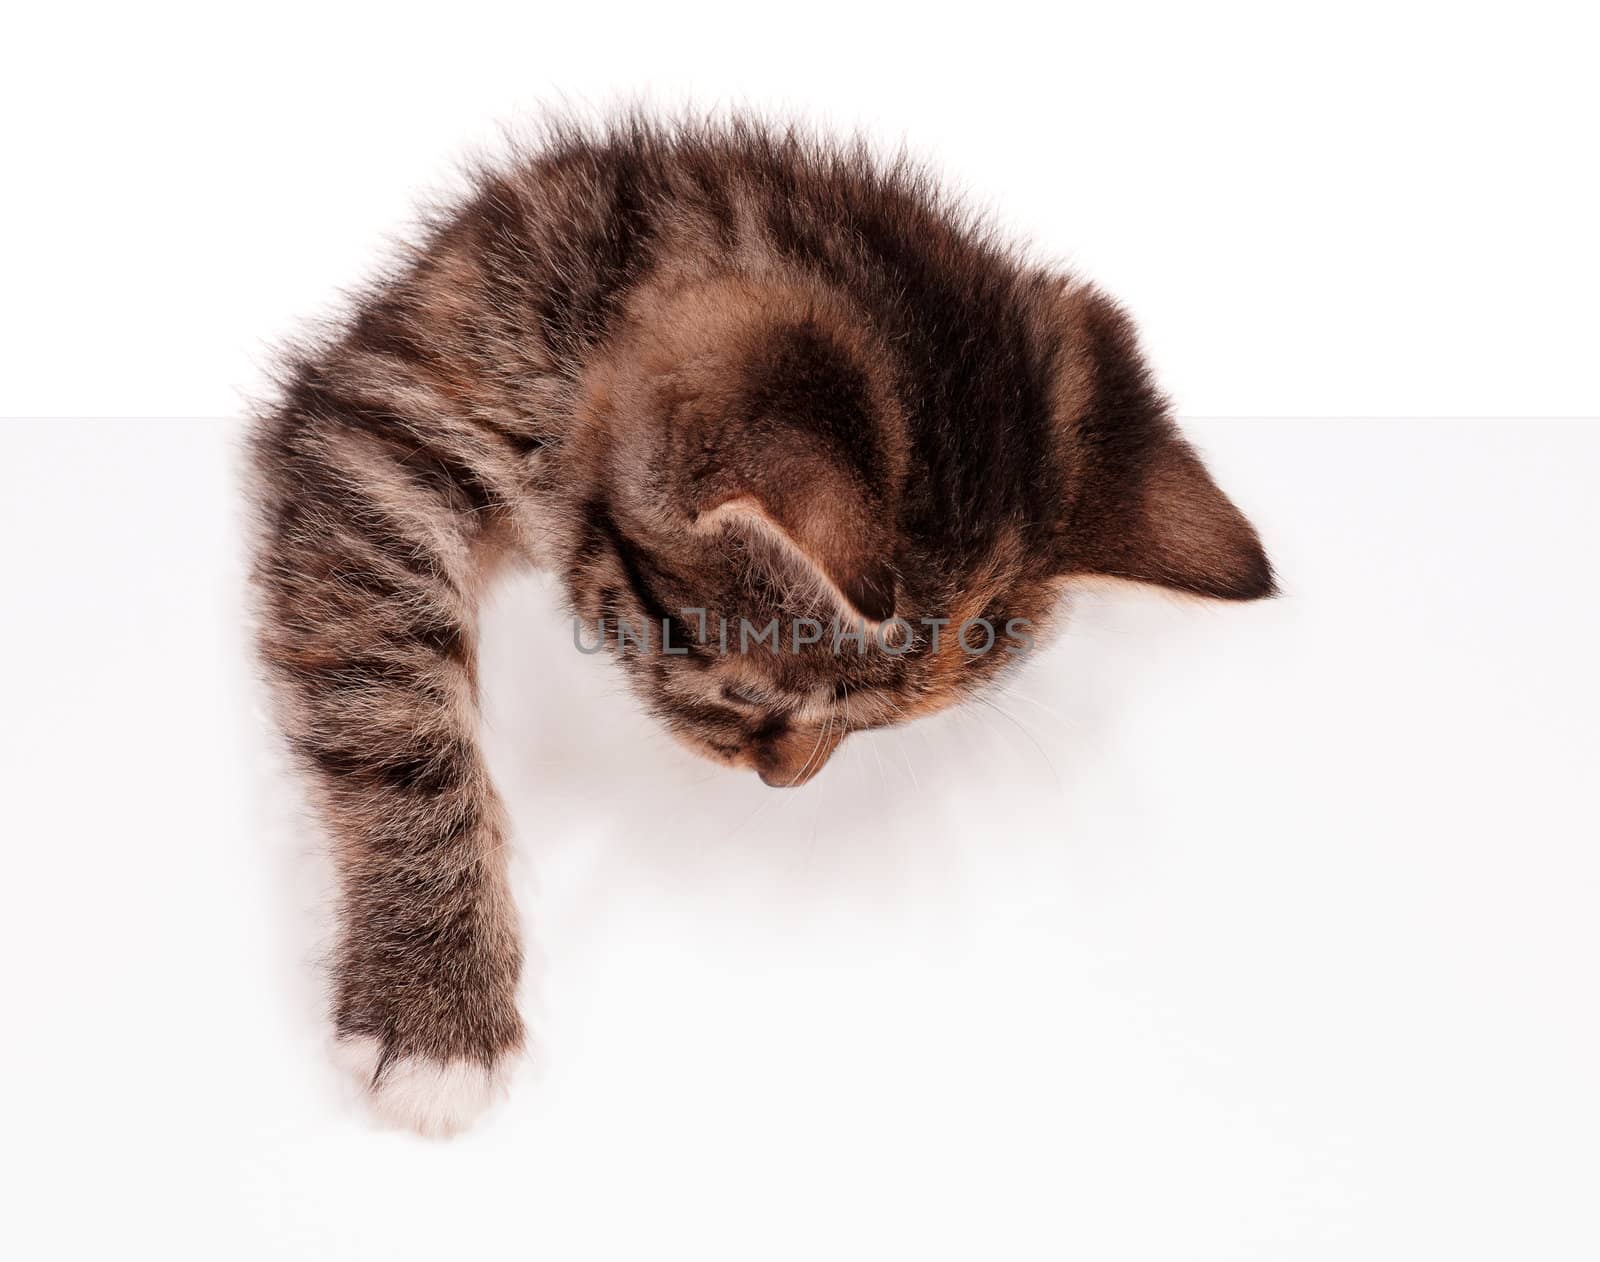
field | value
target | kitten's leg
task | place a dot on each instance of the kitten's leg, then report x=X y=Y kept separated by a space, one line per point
x=368 y=578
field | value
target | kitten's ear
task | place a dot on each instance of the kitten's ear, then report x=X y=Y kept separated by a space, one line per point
x=1159 y=518
x=817 y=514
x=1141 y=505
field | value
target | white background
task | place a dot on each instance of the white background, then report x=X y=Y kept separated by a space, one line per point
x=1234 y=932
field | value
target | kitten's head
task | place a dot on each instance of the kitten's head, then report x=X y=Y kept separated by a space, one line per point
x=785 y=540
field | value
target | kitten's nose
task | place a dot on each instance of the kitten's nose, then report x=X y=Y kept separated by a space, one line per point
x=792 y=759
x=782 y=778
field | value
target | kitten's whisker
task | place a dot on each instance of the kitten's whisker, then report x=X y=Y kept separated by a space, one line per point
x=883 y=773
x=733 y=833
x=910 y=770
x=1033 y=740
x=877 y=754
x=821 y=732
x=1014 y=695
x=899 y=712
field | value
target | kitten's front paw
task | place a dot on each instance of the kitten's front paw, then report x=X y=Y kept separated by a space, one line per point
x=432 y=1097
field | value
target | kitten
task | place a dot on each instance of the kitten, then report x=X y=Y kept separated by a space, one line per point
x=714 y=376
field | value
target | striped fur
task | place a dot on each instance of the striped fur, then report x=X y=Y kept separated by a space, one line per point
x=727 y=369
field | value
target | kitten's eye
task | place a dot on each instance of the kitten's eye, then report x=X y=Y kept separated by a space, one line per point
x=740 y=696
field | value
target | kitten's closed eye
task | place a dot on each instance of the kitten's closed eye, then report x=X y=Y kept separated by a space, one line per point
x=742 y=696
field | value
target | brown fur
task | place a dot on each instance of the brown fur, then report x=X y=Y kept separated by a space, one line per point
x=726 y=369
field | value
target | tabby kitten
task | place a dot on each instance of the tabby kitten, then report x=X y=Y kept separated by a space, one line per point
x=712 y=375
